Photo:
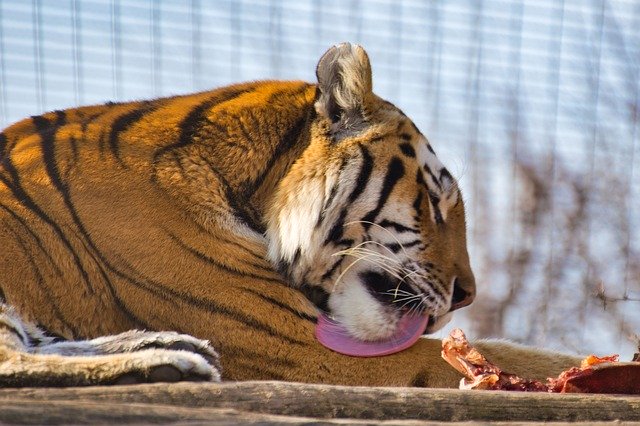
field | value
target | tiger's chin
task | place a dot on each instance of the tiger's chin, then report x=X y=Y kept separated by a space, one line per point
x=368 y=319
x=362 y=316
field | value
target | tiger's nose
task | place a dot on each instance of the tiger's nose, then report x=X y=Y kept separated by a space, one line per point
x=464 y=291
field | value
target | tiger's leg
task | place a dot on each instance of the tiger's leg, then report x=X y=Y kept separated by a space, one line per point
x=29 y=358
x=132 y=341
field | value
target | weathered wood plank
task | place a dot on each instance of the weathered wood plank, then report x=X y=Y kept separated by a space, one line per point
x=83 y=412
x=190 y=401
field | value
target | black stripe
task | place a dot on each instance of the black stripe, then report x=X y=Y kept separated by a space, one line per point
x=436 y=210
x=337 y=230
x=205 y=231
x=417 y=205
x=3 y=145
x=433 y=177
x=52 y=337
x=407 y=150
x=73 y=143
x=23 y=338
x=236 y=315
x=33 y=234
x=432 y=281
x=47 y=134
x=242 y=210
x=296 y=256
x=283 y=267
x=216 y=263
x=395 y=247
x=124 y=122
x=246 y=134
x=178 y=163
x=415 y=128
x=280 y=305
x=40 y=281
x=327 y=203
x=437 y=289
x=88 y=120
x=420 y=179
x=405 y=137
x=192 y=122
x=363 y=176
x=224 y=132
x=254 y=264
x=317 y=295
x=444 y=174
x=395 y=171
x=333 y=269
x=386 y=223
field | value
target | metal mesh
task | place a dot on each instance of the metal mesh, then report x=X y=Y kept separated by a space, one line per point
x=533 y=105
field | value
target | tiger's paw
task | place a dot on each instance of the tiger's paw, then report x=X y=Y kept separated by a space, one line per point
x=162 y=365
x=136 y=340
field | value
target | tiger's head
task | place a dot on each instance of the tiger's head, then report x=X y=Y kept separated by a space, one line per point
x=368 y=222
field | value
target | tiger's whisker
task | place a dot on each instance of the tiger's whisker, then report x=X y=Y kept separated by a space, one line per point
x=378 y=244
x=406 y=300
x=374 y=258
x=376 y=262
x=399 y=291
x=358 y=259
x=381 y=227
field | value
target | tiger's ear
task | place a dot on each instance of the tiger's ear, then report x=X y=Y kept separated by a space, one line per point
x=344 y=80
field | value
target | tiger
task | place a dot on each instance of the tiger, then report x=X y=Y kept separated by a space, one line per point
x=234 y=218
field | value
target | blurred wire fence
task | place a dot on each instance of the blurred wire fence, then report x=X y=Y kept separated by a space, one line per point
x=533 y=105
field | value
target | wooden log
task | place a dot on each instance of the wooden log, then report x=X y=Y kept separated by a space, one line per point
x=190 y=401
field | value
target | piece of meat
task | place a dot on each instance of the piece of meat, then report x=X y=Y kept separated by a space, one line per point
x=595 y=374
x=480 y=373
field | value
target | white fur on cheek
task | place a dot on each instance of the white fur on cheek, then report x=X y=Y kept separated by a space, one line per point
x=362 y=315
x=297 y=219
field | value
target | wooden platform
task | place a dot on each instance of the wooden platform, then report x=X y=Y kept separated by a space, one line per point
x=295 y=403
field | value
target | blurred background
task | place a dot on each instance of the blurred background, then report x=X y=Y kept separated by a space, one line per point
x=534 y=106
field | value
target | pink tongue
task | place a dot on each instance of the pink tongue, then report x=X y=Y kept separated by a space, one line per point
x=335 y=337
